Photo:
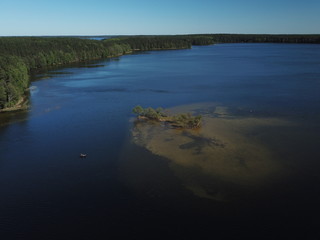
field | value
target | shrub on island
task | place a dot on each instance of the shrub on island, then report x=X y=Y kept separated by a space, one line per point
x=183 y=121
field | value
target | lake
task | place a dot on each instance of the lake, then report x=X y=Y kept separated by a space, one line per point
x=251 y=170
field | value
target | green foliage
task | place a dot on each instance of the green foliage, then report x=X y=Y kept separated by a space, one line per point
x=138 y=110
x=187 y=121
x=265 y=38
x=145 y=43
x=14 y=79
x=177 y=121
x=201 y=40
x=3 y=94
x=150 y=113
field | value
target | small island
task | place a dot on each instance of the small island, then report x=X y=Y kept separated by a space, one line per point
x=181 y=121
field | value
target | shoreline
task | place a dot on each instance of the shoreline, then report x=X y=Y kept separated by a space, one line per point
x=22 y=104
x=116 y=47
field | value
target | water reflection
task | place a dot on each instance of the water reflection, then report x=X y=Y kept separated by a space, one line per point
x=219 y=159
x=7 y=118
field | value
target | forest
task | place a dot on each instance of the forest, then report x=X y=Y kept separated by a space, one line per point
x=265 y=38
x=19 y=56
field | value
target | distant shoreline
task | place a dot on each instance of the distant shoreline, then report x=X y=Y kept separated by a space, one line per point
x=21 y=55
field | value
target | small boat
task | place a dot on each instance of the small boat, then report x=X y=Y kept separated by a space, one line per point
x=83 y=155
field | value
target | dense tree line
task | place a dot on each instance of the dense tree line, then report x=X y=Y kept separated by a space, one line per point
x=19 y=55
x=165 y=42
x=264 y=38
x=39 y=52
x=144 y=43
x=14 y=80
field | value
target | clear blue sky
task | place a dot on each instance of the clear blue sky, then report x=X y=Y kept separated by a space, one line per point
x=104 y=17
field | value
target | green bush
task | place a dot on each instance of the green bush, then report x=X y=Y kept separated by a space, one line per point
x=177 y=121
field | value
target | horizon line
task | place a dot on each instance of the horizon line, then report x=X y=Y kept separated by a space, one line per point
x=178 y=34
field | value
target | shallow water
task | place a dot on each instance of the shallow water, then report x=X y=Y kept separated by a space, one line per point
x=252 y=168
x=219 y=153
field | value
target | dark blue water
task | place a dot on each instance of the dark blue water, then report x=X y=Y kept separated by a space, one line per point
x=48 y=191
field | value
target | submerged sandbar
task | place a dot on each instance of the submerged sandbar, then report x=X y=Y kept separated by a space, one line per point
x=218 y=159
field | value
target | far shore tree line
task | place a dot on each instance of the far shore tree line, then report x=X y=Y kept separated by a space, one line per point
x=20 y=56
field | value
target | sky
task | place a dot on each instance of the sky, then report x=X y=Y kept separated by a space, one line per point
x=147 y=17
